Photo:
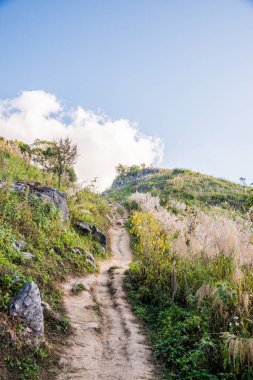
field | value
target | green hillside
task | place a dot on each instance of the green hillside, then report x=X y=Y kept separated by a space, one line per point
x=52 y=250
x=183 y=185
x=190 y=281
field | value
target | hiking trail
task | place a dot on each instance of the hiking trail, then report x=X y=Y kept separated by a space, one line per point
x=108 y=342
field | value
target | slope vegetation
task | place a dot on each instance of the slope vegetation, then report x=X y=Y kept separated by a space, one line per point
x=194 y=189
x=191 y=278
x=36 y=245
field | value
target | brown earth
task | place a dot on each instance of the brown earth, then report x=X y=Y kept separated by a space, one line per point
x=108 y=342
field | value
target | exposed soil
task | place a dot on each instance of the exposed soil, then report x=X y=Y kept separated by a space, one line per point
x=108 y=342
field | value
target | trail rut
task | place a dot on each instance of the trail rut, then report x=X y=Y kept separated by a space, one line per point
x=108 y=342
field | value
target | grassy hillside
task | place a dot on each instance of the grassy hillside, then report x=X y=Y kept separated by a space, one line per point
x=191 y=278
x=53 y=245
x=182 y=185
x=15 y=165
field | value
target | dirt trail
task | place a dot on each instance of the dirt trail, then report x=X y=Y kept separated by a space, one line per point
x=108 y=342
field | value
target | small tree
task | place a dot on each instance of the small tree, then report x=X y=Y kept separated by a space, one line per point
x=122 y=169
x=66 y=156
x=243 y=181
x=56 y=156
x=134 y=169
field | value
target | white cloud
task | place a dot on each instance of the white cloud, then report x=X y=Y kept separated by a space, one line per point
x=102 y=143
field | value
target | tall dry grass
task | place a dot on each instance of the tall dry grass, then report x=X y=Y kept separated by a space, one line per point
x=213 y=258
x=197 y=232
x=11 y=146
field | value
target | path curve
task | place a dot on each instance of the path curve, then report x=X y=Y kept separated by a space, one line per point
x=108 y=343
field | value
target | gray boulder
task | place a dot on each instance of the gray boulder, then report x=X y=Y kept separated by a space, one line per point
x=89 y=256
x=49 y=312
x=84 y=227
x=28 y=255
x=47 y=193
x=19 y=245
x=78 y=251
x=27 y=306
x=100 y=236
x=94 y=231
x=91 y=259
x=251 y=214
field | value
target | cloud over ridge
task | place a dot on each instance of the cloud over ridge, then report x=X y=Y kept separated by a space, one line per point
x=102 y=143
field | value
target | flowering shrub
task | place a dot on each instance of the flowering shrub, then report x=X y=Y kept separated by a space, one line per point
x=152 y=247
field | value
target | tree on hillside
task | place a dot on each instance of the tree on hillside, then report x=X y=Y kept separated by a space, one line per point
x=243 y=181
x=56 y=156
x=123 y=170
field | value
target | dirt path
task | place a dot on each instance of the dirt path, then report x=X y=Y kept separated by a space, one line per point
x=108 y=342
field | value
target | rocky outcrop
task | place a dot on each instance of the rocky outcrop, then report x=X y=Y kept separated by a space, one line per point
x=99 y=236
x=89 y=256
x=84 y=227
x=50 y=313
x=134 y=179
x=19 y=245
x=27 y=306
x=78 y=251
x=94 y=231
x=251 y=214
x=47 y=193
x=28 y=255
x=91 y=259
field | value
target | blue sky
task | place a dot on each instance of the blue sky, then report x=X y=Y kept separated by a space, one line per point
x=183 y=70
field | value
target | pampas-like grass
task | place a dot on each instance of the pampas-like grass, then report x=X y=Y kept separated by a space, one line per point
x=245 y=301
x=212 y=263
x=205 y=292
x=240 y=350
x=212 y=294
x=199 y=232
x=238 y=276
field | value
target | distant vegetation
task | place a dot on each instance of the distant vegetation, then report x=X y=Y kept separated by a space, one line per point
x=191 y=279
x=194 y=189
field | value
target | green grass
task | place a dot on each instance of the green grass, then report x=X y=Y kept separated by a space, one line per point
x=192 y=188
x=78 y=288
x=181 y=338
x=14 y=166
